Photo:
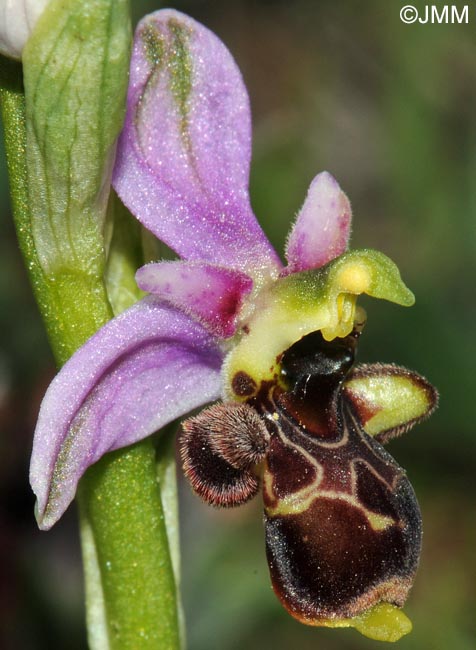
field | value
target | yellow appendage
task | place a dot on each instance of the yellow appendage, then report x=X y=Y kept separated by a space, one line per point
x=384 y=622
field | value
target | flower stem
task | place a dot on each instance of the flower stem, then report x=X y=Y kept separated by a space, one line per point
x=136 y=581
x=130 y=585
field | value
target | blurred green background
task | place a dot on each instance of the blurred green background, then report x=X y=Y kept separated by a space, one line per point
x=389 y=109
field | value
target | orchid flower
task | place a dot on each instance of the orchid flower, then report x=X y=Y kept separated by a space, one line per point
x=17 y=20
x=273 y=345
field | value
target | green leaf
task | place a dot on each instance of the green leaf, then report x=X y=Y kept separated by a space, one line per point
x=75 y=76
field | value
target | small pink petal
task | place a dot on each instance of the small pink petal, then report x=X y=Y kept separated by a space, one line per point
x=182 y=165
x=145 y=368
x=210 y=294
x=322 y=227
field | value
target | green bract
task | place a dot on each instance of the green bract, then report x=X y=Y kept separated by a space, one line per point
x=75 y=75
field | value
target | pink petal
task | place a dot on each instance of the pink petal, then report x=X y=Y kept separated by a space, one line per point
x=182 y=164
x=322 y=228
x=145 y=368
x=210 y=294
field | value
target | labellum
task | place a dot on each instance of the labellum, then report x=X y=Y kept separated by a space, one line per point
x=342 y=524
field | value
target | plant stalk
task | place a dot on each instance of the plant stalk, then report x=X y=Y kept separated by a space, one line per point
x=130 y=584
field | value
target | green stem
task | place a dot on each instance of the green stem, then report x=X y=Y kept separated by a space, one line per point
x=118 y=494
x=129 y=577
